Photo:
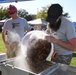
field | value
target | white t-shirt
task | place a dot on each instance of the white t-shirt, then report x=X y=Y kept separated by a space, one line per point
x=64 y=33
x=15 y=28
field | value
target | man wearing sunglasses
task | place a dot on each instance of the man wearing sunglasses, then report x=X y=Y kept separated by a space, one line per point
x=15 y=28
x=63 y=34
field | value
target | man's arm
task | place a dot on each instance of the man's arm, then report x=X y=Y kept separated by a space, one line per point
x=4 y=38
x=48 y=29
x=3 y=35
x=71 y=44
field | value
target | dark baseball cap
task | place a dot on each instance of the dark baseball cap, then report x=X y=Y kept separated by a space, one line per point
x=54 y=11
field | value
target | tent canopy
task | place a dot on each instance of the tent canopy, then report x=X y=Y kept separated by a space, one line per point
x=3 y=20
x=38 y=22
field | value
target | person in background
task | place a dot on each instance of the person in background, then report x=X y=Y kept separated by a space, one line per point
x=64 y=37
x=14 y=28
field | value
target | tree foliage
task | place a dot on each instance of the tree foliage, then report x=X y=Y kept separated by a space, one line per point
x=42 y=13
x=3 y=13
x=23 y=13
x=66 y=15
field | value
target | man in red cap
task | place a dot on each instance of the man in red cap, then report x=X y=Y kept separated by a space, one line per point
x=64 y=37
x=15 y=28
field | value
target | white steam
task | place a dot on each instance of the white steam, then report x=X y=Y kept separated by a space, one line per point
x=14 y=36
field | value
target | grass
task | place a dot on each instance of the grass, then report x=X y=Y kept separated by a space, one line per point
x=73 y=62
x=2 y=49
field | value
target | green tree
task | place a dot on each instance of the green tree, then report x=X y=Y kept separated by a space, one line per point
x=3 y=13
x=23 y=13
x=30 y=17
x=42 y=13
x=66 y=15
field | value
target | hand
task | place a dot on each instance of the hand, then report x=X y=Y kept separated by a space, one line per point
x=51 y=39
x=47 y=31
x=6 y=44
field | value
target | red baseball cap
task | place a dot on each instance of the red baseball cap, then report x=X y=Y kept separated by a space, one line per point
x=11 y=9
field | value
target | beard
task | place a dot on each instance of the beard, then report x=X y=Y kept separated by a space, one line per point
x=55 y=26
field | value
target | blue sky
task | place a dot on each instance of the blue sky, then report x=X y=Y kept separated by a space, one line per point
x=32 y=6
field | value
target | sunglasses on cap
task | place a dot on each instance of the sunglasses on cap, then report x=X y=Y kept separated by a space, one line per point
x=56 y=20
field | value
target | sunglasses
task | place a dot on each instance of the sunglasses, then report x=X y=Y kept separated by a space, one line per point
x=11 y=13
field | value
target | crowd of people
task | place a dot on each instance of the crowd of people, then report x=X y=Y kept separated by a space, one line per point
x=63 y=38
